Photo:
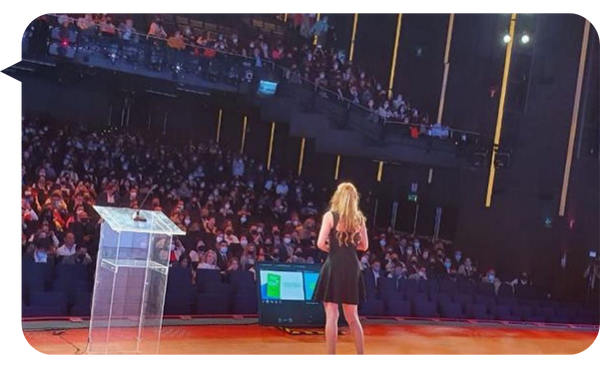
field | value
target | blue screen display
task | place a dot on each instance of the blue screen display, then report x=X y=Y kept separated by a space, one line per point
x=285 y=292
x=267 y=88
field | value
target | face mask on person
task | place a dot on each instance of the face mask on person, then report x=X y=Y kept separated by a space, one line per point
x=244 y=242
x=491 y=277
x=364 y=260
x=458 y=257
x=417 y=244
x=223 y=250
x=187 y=221
x=219 y=239
x=243 y=219
x=447 y=265
x=382 y=242
x=287 y=240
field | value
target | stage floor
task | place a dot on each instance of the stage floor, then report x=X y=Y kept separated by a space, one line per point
x=379 y=339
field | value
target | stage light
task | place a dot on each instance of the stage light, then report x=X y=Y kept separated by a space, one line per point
x=65 y=43
x=506 y=38
x=525 y=39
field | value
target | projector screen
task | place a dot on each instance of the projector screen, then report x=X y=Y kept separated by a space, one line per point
x=285 y=291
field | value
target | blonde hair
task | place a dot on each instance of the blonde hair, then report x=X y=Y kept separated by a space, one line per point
x=205 y=257
x=345 y=203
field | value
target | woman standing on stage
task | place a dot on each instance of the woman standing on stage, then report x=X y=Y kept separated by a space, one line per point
x=342 y=233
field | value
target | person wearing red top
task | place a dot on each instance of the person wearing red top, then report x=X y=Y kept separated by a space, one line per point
x=414 y=132
x=277 y=53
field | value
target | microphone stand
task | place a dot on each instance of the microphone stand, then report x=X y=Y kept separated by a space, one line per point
x=137 y=216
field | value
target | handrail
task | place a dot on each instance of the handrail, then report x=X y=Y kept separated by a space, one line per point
x=158 y=39
x=282 y=70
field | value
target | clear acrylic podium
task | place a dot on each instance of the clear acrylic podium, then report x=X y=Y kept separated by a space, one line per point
x=131 y=281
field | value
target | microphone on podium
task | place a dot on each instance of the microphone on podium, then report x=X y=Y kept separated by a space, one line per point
x=137 y=216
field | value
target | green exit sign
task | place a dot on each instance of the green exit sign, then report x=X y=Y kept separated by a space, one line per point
x=413 y=197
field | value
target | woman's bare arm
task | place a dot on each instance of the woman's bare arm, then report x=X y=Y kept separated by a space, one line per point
x=363 y=245
x=326 y=226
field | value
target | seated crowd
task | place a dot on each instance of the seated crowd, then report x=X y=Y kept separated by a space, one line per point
x=325 y=67
x=235 y=212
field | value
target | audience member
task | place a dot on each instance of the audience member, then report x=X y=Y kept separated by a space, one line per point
x=209 y=261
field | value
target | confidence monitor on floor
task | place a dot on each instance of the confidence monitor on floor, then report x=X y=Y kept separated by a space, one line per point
x=285 y=293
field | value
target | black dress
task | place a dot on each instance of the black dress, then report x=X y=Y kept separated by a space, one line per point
x=340 y=280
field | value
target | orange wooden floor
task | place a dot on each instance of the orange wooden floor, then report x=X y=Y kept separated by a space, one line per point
x=379 y=339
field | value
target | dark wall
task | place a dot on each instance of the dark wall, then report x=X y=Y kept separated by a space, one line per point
x=374 y=45
x=419 y=67
x=73 y=99
x=512 y=234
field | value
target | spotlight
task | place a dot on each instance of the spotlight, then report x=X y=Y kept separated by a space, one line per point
x=525 y=39
x=506 y=38
x=113 y=56
x=65 y=43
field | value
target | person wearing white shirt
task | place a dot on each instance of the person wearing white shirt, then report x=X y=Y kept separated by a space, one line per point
x=229 y=237
x=68 y=248
x=282 y=188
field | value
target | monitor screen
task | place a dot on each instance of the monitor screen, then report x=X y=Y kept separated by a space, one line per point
x=285 y=292
x=267 y=88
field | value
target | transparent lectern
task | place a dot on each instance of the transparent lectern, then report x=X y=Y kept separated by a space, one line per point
x=131 y=281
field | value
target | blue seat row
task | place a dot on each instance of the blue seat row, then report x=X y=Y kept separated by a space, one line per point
x=452 y=308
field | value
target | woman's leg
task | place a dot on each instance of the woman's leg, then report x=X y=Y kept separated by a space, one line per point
x=332 y=315
x=351 y=315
